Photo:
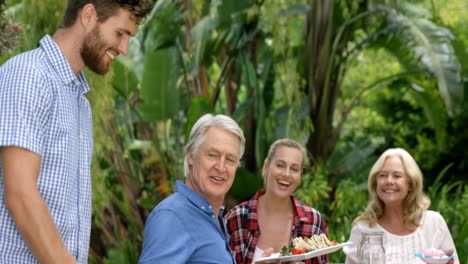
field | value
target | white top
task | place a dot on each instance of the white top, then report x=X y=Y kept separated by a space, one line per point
x=401 y=249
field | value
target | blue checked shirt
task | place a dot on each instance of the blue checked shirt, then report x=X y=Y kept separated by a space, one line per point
x=43 y=109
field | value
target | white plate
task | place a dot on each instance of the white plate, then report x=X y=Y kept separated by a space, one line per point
x=312 y=254
x=434 y=260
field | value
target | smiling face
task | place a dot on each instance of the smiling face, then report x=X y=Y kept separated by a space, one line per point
x=213 y=167
x=283 y=172
x=392 y=182
x=107 y=40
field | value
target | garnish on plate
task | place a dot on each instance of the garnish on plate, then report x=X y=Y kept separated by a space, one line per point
x=301 y=245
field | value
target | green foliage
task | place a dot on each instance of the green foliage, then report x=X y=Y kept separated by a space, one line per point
x=412 y=35
x=38 y=18
x=100 y=98
x=339 y=213
x=158 y=89
x=245 y=185
x=134 y=166
x=314 y=189
x=451 y=200
x=199 y=106
x=124 y=80
x=8 y=32
x=162 y=29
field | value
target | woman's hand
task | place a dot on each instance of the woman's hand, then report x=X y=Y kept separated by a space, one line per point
x=450 y=253
x=268 y=252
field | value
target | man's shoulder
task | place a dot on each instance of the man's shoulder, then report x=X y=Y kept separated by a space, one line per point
x=27 y=77
x=174 y=202
x=32 y=60
x=27 y=67
x=176 y=207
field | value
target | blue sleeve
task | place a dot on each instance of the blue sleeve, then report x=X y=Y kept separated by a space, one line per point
x=24 y=107
x=166 y=239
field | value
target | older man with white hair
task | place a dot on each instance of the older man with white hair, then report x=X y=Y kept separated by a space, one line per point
x=188 y=226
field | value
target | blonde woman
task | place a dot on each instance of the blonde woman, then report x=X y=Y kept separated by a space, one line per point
x=274 y=216
x=398 y=209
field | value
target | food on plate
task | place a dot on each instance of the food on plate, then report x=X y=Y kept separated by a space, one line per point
x=433 y=253
x=303 y=245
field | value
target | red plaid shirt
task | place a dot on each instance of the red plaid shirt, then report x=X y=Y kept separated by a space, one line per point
x=243 y=229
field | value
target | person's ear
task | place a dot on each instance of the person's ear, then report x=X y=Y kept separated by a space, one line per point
x=88 y=17
x=265 y=168
x=189 y=158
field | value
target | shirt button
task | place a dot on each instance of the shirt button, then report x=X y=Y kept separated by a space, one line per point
x=81 y=171
x=203 y=207
x=212 y=215
x=209 y=206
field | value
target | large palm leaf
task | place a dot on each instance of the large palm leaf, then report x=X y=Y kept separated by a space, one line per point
x=159 y=91
x=420 y=43
x=421 y=46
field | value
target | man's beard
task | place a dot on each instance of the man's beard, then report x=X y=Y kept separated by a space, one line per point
x=93 y=51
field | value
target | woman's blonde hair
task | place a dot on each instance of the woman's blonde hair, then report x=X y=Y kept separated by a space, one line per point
x=414 y=204
x=285 y=142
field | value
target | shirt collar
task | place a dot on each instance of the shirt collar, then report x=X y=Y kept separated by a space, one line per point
x=253 y=217
x=196 y=198
x=60 y=64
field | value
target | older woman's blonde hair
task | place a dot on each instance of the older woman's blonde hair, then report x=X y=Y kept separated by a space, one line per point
x=415 y=203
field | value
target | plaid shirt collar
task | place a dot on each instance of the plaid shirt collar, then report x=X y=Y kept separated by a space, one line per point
x=300 y=215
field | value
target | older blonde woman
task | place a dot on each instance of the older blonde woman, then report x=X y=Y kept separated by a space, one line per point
x=274 y=216
x=398 y=209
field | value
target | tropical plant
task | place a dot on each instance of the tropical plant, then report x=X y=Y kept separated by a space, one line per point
x=337 y=31
x=231 y=40
x=132 y=168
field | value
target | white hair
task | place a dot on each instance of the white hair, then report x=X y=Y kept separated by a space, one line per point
x=197 y=135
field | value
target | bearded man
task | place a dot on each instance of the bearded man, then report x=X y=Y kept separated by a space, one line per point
x=46 y=137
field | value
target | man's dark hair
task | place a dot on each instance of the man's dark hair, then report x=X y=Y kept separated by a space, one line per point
x=106 y=9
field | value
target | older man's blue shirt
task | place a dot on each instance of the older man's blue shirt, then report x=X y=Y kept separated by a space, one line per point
x=183 y=229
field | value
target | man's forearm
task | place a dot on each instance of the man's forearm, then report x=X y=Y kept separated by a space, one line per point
x=27 y=207
x=34 y=222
